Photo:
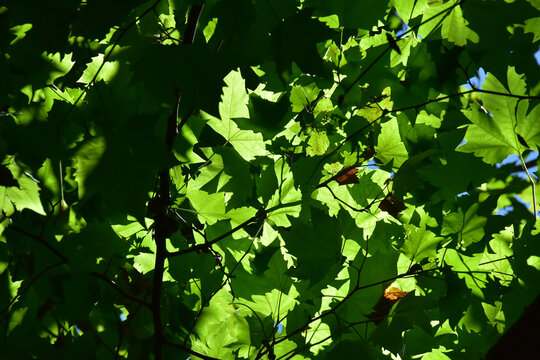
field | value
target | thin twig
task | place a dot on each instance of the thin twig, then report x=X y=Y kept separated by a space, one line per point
x=40 y=240
x=261 y=213
x=30 y=283
x=120 y=290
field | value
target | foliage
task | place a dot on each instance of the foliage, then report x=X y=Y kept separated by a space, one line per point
x=266 y=179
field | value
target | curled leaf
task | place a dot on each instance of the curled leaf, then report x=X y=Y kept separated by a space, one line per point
x=394 y=294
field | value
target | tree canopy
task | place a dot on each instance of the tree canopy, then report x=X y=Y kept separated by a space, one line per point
x=256 y=179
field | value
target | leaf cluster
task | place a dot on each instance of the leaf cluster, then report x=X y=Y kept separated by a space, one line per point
x=266 y=179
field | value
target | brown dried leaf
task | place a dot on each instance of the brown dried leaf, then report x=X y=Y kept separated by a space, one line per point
x=348 y=177
x=392 y=206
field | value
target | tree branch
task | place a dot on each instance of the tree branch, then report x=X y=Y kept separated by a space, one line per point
x=338 y=305
x=162 y=226
x=260 y=213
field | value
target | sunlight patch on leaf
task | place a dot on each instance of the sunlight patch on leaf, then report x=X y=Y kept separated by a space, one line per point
x=389 y=145
x=87 y=160
x=469 y=227
x=106 y=73
x=26 y=196
x=209 y=207
x=455 y=29
x=467 y=268
x=497 y=261
x=494 y=137
x=534 y=261
x=532 y=25
x=233 y=105
x=62 y=64
x=495 y=315
x=420 y=243
x=286 y=193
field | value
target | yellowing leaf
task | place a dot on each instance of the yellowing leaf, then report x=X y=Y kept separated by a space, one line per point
x=318 y=143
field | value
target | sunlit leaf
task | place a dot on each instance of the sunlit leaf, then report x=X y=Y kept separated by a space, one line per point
x=267 y=179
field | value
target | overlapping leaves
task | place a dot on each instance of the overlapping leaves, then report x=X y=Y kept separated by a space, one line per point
x=315 y=156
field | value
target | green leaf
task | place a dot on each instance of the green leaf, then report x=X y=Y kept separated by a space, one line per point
x=314 y=243
x=267 y=114
x=493 y=134
x=532 y=25
x=408 y=9
x=318 y=143
x=534 y=261
x=529 y=128
x=220 y=326
x=495 y=315
x=61 y=65
x=420 y=244
x=87 y=160
x=356 y=15
x=433 y=15
x=469 y=227
x=498 y=262
x=436 y=354
x=535 y=3
x=389 y=145
x=489 y=139
x=26 y=195
x=468 y=269
x=234 y=105
x=237 y=137
x=184 y=146
x=301 y=96
x=454 y=28
x=106 y=73
x=234 y=99
x=209 y=207
x=285 y=193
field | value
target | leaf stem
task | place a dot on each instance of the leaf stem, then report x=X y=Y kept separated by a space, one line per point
x=61 y=184
x=533 y=185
